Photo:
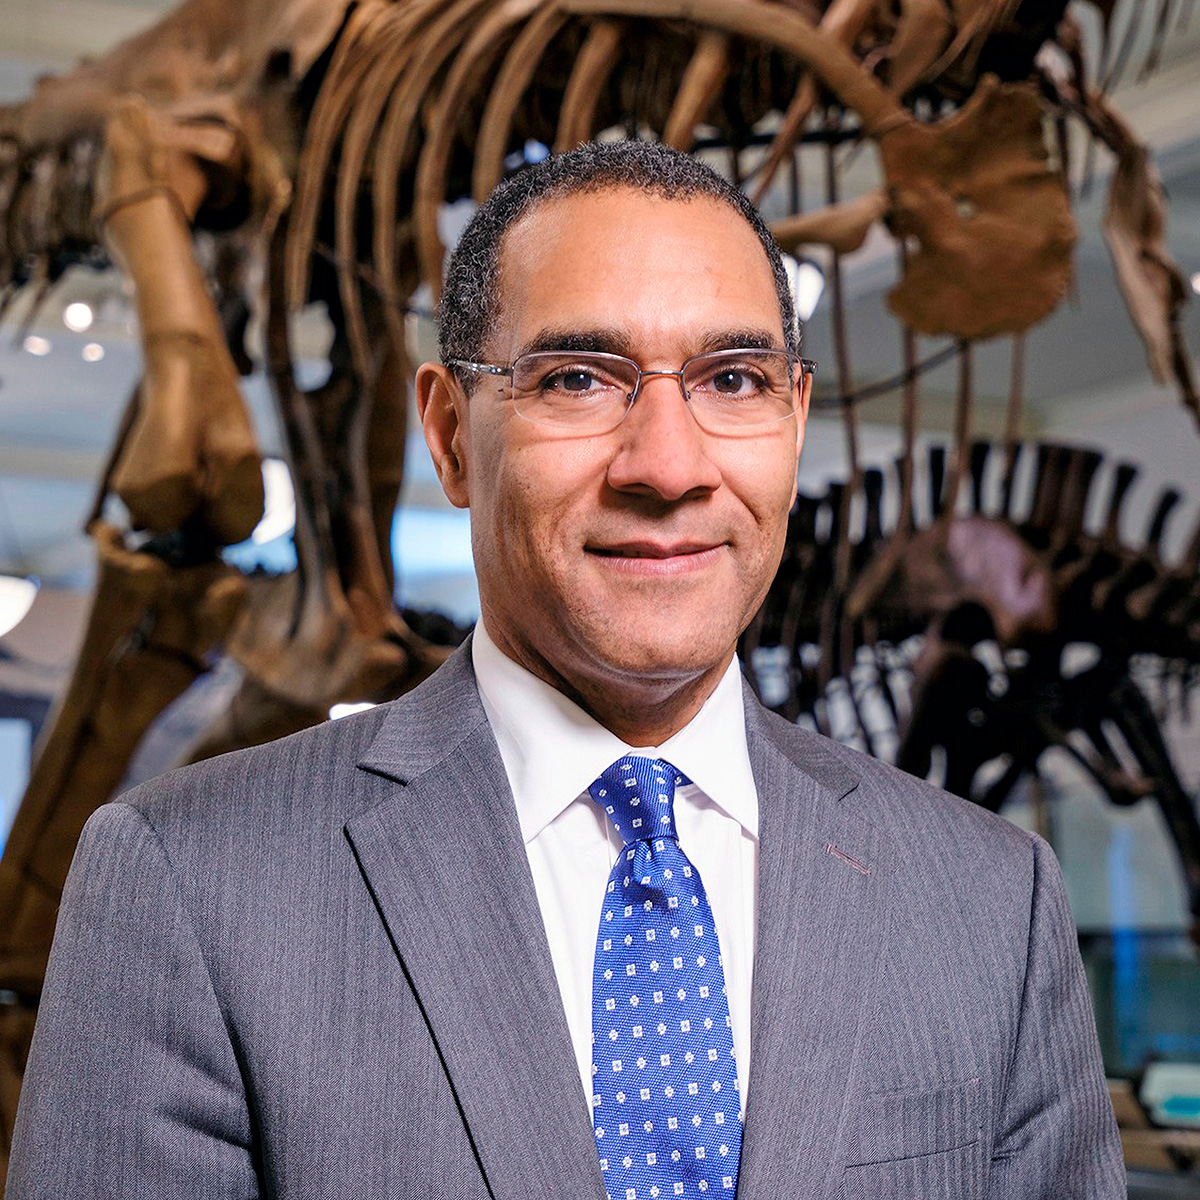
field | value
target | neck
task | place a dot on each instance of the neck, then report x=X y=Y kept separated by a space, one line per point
x=650 y=717
x=642 y=710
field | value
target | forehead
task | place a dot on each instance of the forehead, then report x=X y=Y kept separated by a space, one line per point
x=664 y=268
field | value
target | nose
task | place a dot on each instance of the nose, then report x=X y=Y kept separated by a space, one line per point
x=661 y=450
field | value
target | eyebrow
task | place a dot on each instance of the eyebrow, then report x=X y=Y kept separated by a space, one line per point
x=613 y=340
x=605 y=341
x=739 y=339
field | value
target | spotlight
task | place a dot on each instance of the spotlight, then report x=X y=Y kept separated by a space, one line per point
x=78 y=316
x=808 y=282
x=279 y=502
x=37 y=345
x=1196 y=282
x=16 y=599
x=92 y=352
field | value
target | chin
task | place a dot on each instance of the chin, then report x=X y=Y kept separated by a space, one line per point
x=669 y=656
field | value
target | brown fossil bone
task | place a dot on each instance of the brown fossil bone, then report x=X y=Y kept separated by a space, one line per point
x=1135 y=229
x=983 y=561
x=924 y=29
x=152 y=624
x=16 y=1032
x=843 y=20
x=988 y=217
x=191 y=454
x=202 y=49
x=698 y=90
x=842 y=227
x=774 y=25
x=597 y=58
x=328 y=632
x=1153 y=287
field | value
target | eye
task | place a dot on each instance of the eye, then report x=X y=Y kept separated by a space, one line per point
x=735 y=381
x=571 y=381
x=578 y=379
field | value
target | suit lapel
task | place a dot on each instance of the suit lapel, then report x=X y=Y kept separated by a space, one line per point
x=820 y=916
x=446 y=864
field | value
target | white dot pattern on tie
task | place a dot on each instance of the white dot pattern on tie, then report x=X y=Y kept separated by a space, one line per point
x=665 y=1098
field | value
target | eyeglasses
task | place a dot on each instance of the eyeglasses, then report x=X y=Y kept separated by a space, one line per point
x=728 y=391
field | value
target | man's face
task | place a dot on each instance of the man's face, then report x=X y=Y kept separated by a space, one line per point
x=632 y=559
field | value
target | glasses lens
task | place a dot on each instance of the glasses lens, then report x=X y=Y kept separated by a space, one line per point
x=585 y=391
x=734 y=389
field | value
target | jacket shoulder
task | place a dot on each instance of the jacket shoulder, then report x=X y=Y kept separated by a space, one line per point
x=911 y=812
x=302 y=769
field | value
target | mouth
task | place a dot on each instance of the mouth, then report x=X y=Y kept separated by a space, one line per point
x=657 y=558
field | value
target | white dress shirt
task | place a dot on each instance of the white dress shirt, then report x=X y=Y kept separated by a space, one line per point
x=552 y=751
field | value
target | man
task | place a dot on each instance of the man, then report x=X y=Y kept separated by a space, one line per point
x=577 y=915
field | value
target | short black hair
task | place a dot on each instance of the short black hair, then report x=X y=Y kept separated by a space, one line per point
x=470 y=296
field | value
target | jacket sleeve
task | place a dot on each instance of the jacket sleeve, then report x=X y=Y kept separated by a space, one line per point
x=1056 y=1137
x=132 y=1087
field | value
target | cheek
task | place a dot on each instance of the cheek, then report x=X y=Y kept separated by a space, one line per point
x=541 y=488
x=516 y=523
x=527 y=522
x=768 y=511
x=767 y=486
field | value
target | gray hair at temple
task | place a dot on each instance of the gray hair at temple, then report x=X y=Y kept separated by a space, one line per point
x=471 y=295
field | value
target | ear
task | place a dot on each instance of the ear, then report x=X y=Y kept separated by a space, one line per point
x=442 y=405
x=804 y=383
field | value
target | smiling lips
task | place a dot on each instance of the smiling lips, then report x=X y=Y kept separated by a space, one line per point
x=654 y=558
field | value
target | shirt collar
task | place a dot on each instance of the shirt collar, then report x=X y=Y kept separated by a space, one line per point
x=552 y=750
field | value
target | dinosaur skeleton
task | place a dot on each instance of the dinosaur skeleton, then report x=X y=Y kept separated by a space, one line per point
x=315 y=143
x=995 y=598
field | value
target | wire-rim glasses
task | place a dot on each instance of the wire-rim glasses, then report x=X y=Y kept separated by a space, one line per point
x=728 y=391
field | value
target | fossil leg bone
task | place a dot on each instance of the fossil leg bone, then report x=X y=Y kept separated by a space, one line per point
x=191 y=455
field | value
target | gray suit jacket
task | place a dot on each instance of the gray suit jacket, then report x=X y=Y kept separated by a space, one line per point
x=318 y=969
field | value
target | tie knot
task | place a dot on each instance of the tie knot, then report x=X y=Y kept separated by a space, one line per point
x=638 y=794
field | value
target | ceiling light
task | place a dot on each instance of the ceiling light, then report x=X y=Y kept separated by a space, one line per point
x=1196 y=282
x=16 y=599
x=78 y=316
x=279 y=502
x=808 y=282
x=92 y=352
x=37 y=345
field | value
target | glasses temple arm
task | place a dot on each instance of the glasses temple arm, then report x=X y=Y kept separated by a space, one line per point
x=486 y=368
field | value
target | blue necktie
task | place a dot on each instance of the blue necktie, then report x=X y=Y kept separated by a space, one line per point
x=665 y=1095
